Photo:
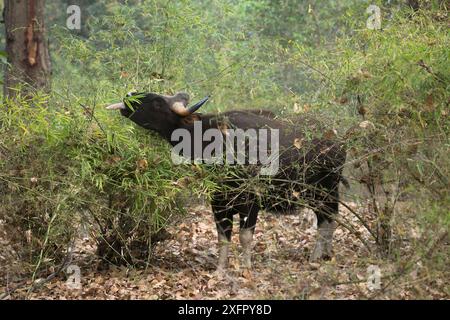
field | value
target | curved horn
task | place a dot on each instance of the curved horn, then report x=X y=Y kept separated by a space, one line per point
x=116 y=106
x=197 y=106
x=181 y=110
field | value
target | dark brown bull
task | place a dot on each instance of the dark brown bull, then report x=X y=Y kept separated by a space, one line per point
x=309 y=171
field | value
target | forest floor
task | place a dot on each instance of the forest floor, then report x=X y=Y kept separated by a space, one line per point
x=184 y=267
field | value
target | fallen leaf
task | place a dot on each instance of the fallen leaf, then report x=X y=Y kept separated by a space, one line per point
x=298 y=143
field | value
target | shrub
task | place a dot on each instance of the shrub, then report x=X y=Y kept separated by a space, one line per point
x=66 y=168
x=394 y=84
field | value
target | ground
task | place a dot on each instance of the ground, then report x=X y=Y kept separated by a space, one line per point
x=184 y=267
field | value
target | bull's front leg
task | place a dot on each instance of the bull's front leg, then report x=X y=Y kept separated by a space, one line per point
x=224 y=248
x=224 y=224
x=247 y=228
x=246 y=238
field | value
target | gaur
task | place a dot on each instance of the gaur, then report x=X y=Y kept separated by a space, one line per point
x=309 y=173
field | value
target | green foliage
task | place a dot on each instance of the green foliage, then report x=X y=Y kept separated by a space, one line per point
x=168 y=47
x=61 y=169
x=386 y=92
x=396 y=81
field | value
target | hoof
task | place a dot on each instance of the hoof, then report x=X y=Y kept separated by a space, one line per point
x=314 y=265
x=320 y=253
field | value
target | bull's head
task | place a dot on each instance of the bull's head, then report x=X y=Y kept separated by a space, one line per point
x=157 y=112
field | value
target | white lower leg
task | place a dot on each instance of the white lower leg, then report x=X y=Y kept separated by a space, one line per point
x=245 y=238
x=224 y=246
x=324 y=242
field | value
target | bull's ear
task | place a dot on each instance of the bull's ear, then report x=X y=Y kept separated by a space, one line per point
x=190 y=119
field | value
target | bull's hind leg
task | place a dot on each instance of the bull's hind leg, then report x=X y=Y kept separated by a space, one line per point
x=246 y=229
x=223 y=216
x=326 y=209
x=323 y=248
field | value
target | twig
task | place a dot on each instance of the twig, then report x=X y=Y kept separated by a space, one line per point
x=403 y=270
x=359 y=218
x=428 y=69
x=64 y=264
x=317 y=70
x=87 y=110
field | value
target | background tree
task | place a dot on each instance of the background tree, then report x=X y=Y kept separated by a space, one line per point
x=26 y=46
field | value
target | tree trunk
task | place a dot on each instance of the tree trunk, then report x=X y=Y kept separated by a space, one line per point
x=26 y=47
